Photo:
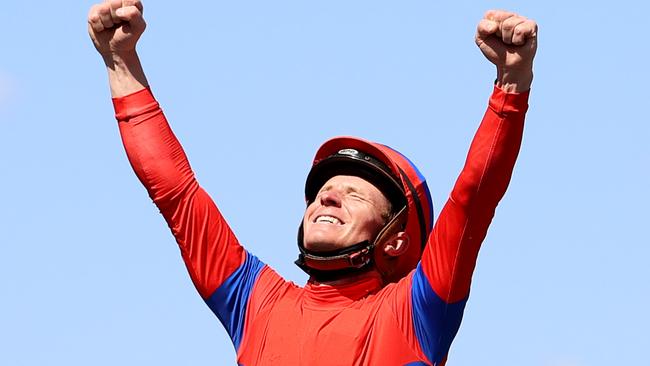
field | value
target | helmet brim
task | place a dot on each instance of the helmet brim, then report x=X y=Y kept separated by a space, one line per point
x=355 y=163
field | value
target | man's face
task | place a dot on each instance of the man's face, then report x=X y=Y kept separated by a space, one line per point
x=347 y=210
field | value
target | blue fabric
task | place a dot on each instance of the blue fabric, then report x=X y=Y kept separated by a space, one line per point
x=426 y=189
x=229 y=301
x=435 y=321
x=410 y=162
x=423 y=181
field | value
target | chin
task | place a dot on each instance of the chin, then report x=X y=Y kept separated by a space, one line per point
x=320 y=245
x=318 y=239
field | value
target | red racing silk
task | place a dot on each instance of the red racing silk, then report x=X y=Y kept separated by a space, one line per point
x=362 y=322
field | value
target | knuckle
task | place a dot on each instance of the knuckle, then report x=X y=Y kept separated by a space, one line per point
x=98 y=27
x=94 y=18
x=104 y=12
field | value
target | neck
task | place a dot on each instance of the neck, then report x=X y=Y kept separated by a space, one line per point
x=349 y=279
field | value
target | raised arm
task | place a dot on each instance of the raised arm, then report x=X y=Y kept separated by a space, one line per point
x=509 y=41
x=442 y=280
x=222 y=271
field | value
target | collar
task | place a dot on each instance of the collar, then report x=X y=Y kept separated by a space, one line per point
x=325 y=295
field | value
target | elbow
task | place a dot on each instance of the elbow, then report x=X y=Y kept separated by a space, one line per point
x=466 y=188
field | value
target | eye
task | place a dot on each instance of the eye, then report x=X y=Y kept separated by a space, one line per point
x=356 y=196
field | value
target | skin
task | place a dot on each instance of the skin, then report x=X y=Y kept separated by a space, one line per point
x=509 y=41
x=360 y=210
x=115 y=26
x=506 y=39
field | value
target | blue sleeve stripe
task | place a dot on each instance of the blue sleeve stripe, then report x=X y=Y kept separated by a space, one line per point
x=435 y=321
x=229 y=301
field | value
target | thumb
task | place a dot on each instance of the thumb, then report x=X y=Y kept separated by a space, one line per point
x=136 y=3
x=133 y=16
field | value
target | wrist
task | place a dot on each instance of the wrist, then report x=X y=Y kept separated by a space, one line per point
x=125 y=73
x=514 y=81
x=114 y=59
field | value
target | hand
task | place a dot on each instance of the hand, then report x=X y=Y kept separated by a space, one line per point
x=509 y=41
x=115 y=26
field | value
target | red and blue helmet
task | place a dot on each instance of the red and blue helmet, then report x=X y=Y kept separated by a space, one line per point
x=398 y=179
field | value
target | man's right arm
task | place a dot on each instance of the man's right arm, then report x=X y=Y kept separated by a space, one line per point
x=222 y=271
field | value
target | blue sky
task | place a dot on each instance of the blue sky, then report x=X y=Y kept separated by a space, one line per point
x=89 y=274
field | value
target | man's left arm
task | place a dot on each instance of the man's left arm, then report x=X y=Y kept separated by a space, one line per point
x=441 y=282
x=509 y=41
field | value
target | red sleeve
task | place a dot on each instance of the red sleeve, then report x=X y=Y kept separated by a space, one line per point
x=209 y=248
x=452 y=248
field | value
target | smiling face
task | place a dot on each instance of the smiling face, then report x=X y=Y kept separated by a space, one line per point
x=346 y=211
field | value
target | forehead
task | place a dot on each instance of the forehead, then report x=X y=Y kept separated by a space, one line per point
x=351 y=180
x=352 y=183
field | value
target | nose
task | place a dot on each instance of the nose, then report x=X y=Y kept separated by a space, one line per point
x=330 y=198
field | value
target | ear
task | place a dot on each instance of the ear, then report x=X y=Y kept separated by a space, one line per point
x=397 y=244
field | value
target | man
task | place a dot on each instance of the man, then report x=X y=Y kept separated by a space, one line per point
x=386 y=287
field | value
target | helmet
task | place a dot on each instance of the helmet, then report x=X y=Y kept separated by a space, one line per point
x=402 y=184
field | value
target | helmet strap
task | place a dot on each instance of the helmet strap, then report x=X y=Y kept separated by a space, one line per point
x=331 y=265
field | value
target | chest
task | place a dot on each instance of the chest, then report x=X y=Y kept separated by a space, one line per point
x=291 y=333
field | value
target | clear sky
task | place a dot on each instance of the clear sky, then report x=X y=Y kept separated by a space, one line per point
x=90 y=275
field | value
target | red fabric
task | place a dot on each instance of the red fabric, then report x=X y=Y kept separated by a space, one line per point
x=210 y=249
x=358 y=323
x=452 y=249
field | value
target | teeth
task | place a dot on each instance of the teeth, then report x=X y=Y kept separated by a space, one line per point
x=328 y=219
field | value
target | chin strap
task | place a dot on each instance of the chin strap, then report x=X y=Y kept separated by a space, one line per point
x=355 y=256
x=353 y=259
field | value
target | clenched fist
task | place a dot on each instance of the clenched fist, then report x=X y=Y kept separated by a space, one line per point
x=509 y=41
x=115 y=26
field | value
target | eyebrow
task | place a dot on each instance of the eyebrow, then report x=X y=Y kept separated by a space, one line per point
x=348 y=188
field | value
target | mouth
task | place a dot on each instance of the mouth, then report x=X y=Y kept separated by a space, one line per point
x=326 y=219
